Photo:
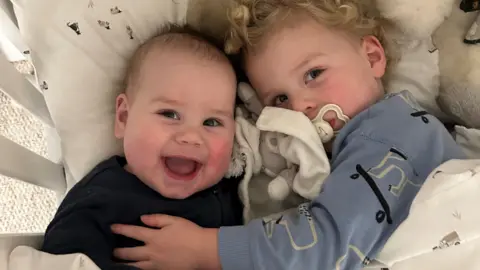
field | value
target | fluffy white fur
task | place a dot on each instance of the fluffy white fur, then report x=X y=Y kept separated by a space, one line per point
x=459 y=69
x=416 y=18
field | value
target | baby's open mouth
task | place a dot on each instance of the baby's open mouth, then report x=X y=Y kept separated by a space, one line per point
x=181 y=168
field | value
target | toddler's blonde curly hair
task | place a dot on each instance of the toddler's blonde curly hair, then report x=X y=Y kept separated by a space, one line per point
x=251 y=20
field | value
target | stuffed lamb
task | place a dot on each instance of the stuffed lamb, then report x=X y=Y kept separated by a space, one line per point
x=283 y=153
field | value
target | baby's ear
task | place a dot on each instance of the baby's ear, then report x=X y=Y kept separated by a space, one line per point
x=375 y=54
x=121 y=115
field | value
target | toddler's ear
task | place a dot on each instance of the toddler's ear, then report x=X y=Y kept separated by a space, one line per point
x=375 y=54
x=121 y=115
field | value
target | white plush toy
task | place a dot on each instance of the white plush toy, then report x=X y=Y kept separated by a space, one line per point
x=283 y=153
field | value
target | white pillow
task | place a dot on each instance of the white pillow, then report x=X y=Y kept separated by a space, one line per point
x=80 y=58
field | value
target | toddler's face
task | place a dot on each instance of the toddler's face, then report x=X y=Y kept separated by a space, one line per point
x=178 y=127
x=306 y=66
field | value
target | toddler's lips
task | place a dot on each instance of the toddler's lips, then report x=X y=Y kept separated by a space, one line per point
x=332 y=122
x=181 y=168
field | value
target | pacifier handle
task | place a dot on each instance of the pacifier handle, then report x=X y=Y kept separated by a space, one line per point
x=324 y=129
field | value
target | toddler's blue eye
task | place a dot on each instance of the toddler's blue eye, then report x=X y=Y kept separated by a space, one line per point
x=313 y=74
x=170 y=114
x=279 y=100
x=212 y=122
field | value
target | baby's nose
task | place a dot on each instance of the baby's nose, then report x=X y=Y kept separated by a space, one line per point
x=189 y=137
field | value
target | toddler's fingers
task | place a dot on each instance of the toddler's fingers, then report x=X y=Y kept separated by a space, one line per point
x=159 y=220
x=144 y=265
x=135 y=254
x=136 y=232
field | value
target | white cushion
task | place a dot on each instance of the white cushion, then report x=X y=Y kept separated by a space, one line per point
x=83 y=69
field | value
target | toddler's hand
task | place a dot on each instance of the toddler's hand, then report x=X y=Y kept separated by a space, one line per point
x=177 y=244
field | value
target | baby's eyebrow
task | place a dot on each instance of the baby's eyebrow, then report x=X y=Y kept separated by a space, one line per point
x=267 y=96
x=223 y=113
x=166 y=100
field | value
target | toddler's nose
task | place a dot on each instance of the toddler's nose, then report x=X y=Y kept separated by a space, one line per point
x=306 y=107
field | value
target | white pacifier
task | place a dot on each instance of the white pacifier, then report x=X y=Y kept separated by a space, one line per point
x=324 y=129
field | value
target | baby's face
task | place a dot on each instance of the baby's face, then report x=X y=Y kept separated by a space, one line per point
x=306 y=66
x=178 y=128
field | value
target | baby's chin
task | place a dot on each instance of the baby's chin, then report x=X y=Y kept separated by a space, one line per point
x=179 y=191
x=177 y=194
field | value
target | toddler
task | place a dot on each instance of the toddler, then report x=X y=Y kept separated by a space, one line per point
x=176 y=122
x=323 y=58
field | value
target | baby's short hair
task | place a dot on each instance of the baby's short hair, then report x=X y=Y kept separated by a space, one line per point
x=178 y=37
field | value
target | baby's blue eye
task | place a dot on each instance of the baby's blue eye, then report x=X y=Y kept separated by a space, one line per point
x=279 y=100
x=212 y=122
x=313 y=74
x=170 y=114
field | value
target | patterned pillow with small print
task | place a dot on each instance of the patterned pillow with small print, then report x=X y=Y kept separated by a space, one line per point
x=79 y=49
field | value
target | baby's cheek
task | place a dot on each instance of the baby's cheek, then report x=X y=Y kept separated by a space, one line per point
x=220 y=154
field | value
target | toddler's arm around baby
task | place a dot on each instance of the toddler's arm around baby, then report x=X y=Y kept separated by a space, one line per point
x=345 y=225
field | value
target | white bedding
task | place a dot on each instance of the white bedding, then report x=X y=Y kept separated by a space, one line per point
x=445 y=208
x=469 y=140
x=27 y=258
